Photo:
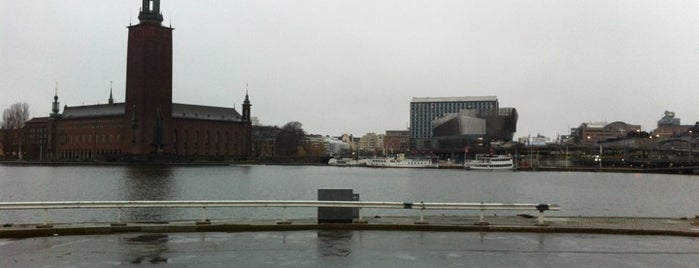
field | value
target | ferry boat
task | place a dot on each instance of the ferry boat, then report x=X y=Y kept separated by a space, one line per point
x=490 y=162
x=346 y=162
x=399 y=161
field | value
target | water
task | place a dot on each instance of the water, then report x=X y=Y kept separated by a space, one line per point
x=586 y=194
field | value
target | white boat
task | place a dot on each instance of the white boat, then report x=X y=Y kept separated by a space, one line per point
x=399 y=161
x=490 y=162
x=346 y=162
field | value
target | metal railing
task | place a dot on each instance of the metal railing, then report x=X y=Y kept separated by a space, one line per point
x=204 y=204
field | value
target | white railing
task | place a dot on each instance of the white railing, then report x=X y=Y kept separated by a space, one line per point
x=204 y=204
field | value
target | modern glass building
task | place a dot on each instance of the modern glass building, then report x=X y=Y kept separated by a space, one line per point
x=424 y=110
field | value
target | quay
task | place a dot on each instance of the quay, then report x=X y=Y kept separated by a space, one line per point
x=523 y=223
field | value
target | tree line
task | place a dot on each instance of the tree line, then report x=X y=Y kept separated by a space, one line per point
x=15 y=116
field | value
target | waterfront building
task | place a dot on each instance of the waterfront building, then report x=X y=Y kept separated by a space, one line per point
x=397 y=141
x=448 y=124
x=264 y=144
x=148 y=125
x=351 y=140
x=473 y=128
x=336 y=147
x=593 y=133
x=313 y=145
x=538 y=140
x=372 y=143
x=424 y=110
x=669 y=126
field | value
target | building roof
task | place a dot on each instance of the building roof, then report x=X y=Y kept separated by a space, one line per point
x=455 y=99
x=186 y=111
x=189 y=111
x=99 y=110
x=37 y=120
x=507 y=111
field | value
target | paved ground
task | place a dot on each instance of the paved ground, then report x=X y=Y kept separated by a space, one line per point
x=598 y=225
x=506 y=241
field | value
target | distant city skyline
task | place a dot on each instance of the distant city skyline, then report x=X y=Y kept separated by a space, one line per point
x=354 y=66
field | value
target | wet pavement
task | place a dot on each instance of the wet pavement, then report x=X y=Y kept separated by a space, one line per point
x=381 y=242
x=339 y=248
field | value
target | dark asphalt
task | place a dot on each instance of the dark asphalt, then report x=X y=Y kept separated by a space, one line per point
x=382 y=242
x=346 y=248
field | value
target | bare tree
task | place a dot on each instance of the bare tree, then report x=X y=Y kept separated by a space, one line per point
x=13 y=120
x=290 y=138
x=15 y=116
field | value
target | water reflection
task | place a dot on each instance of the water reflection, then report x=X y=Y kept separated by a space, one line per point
x=147 y=248
x=334 y=243
x=148 y=183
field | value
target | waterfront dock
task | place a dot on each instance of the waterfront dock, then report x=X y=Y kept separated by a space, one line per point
x=523 y=223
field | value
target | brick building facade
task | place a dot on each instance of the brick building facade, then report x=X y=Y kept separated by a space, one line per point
x=148 y=124
x=397 y=141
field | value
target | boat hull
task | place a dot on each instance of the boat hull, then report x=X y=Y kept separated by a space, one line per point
x=489 y=168
x=407 y=163
x=490 y=163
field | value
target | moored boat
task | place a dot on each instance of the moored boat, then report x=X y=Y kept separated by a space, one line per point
x=399 y=161
x=346 y=162
x=490 y=162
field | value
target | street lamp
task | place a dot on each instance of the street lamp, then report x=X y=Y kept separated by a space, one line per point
x=689 y=151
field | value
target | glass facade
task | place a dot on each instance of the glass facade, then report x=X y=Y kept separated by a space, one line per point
x=424 y=110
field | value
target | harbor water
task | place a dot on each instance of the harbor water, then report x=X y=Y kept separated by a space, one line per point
x=584 y=194
x=578 y=194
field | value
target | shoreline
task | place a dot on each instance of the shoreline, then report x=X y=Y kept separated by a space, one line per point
x=692 y=170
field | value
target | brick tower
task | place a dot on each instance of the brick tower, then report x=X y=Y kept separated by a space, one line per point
x=148 y=107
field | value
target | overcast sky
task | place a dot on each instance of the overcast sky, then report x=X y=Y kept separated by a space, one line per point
x=353 y=66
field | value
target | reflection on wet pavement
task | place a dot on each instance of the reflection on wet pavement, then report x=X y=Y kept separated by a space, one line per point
x=334 y=243
x=149 y=248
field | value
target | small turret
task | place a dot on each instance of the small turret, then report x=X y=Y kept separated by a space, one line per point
x=246 y=108
x=55 y=105
x=111 y=99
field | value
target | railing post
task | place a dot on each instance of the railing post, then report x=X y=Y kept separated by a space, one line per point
x=46 y=224
x=481 y=220
x=541 y=208
x=422 y=217
x=360 y=220
x=119 y=213
x=284 y=219
x=541 y=218
x=204 y=219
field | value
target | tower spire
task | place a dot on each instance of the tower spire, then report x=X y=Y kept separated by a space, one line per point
x=246 y=106
x=111 y=99
x=150 y=12
x=55 y=104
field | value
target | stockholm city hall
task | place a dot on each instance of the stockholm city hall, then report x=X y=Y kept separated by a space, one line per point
x=148 y=125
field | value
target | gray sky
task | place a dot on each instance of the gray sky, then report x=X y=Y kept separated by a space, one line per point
x=353 y=66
